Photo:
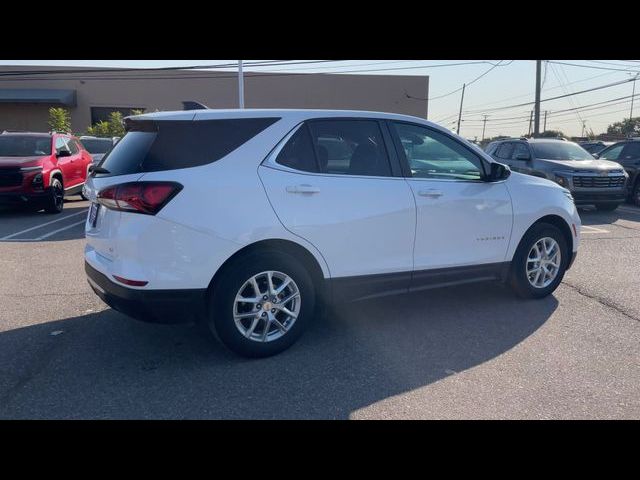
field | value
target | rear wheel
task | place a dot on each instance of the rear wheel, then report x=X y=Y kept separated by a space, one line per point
x=539 y=262
x=55 y=202
x=606 y=207
x=262 y=304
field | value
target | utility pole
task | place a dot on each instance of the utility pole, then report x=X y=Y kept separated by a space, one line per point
x=240 y=85
x=536 y=125
x=632 y=95
x=584 y=125
x=460 y=114
x=545 y=121
x=484 y=124
x=530 y=122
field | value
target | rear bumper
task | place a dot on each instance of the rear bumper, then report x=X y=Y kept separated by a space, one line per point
x=156 y=306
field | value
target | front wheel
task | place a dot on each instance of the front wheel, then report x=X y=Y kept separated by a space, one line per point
x=55 y=202
x=606 y=207
x=262 y=304
x=635 y=195
x=540 y=261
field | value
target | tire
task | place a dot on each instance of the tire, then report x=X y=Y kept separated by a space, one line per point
x=606 y=207
x=635 y=195
x=55 y=202
x=518 y=278
x=236 y=280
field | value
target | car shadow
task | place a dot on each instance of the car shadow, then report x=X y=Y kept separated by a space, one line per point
x=105 y=365
x=15 y=219
x=591 y=216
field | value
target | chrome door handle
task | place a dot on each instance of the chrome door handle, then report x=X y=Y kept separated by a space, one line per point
x=431 y=193
x=310 y=189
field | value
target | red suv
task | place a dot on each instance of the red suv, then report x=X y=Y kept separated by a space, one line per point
x=38 y=169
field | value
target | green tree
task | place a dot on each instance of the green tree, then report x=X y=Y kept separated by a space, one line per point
x=627 y=127
x=113 y=127
x=59 y=120
x=551 y=134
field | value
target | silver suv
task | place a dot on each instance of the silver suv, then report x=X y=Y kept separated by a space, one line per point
x=591 y=181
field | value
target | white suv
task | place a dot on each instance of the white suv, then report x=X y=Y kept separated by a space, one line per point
x=246 y=220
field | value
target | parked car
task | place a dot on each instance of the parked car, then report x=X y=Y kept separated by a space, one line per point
x=595 y=146
x=591 y=181
x=38 y=169
x=627 y=154
x=98 y=146
x=246 y=220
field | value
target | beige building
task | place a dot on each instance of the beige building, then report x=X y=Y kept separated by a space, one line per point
x=90 y=96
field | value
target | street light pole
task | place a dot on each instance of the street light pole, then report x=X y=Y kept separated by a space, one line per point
x=460 y=114
x=240 y=85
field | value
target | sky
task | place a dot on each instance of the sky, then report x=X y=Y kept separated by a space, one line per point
x=492 y=84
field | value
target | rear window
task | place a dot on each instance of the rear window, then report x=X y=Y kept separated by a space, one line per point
x=97 y=145
x=169 y=145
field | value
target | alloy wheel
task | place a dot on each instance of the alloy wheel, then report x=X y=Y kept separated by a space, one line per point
x=266 y=306
x=543 y=262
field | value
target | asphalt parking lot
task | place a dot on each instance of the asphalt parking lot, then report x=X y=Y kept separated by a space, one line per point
x=475 y=352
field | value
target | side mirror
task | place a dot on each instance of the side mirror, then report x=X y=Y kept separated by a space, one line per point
x=63 y=153
x=595 y=155
x=498 y=172
x=523 y=157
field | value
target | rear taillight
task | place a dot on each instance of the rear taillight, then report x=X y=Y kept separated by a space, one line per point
x=139 y=197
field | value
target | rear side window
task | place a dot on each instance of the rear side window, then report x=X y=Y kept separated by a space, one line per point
x=73 y=147
x=298 y=152
x=169 y=145
x=631 y=151
x=350 y=147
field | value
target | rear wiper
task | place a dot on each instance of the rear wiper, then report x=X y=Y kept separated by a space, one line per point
x=94 y=169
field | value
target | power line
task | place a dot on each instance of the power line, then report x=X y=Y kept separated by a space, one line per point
x=590 y=66
x=218 y=76
x=263 y=63
x=555 y=98
x=467 y=83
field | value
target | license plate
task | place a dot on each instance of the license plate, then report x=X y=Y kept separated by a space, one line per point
x=93 y=214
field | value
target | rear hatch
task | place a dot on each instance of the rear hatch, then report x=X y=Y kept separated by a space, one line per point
x=167 y=144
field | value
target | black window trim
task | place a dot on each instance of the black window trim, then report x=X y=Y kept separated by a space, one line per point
x=405 y=163
x=394 y=162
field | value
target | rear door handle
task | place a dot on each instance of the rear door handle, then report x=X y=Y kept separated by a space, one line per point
x=309 y=189
x=431 y=193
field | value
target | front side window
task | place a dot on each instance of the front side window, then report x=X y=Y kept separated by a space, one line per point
x=61 y=144
x=505 y=150
x=24 y=146
x=520 y=149
x=431 y=154
x=350 y=147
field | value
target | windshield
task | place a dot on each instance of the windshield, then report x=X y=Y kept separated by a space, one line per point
x=560 y=151
x=97 y=145
x=24 y=146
